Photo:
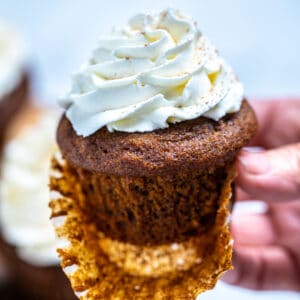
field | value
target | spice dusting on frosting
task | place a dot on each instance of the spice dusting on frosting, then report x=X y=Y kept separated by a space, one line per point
x=158 y=69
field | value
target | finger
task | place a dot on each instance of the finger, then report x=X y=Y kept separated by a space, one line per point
x=263 y=268
x=285 y=217
x=277 y=223
x=270 y=175
x=252 y=230
x=279 y=122
x=241 y=194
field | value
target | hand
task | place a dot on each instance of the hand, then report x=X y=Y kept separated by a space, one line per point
x=267 y=246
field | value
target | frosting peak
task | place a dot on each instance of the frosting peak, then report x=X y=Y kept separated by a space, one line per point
x=156 y=70
x=24 y=192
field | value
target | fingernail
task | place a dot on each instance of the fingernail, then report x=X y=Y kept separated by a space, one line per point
x=254 y=162
x=253 y=149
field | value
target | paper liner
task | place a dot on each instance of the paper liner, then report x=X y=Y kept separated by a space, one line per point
x=98 y=274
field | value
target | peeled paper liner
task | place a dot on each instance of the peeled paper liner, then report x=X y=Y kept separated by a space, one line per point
x=93 y=262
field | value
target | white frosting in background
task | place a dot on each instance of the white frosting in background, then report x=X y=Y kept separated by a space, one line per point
x=24 y=193
x=13 y=59
x=157 y=70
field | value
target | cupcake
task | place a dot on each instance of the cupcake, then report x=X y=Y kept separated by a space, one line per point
x=144 y=175
x=28 y=243
x=14 y=86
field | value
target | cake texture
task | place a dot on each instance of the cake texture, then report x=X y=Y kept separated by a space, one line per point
x=11 y=104
x=101 y=268
x=143 y=182
x=187 y=147
x=27 y=240
x=148 y=189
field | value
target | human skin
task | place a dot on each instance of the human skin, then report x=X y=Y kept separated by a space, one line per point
x=267 y=246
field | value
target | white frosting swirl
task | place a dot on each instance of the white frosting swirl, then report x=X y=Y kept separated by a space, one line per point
x=157 y=70
x=13 y=58
x=24 y=192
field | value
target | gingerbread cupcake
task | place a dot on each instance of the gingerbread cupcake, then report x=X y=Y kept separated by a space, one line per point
x=144 y=178
x=27 y=241
x=14 y=82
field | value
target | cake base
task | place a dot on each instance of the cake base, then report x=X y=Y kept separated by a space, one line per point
x=12 y=103
x=188 y=146
x=97 y=271
x=43 y=283
x=154 y=210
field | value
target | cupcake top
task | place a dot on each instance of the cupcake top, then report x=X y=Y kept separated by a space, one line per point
x=13 y=59
x=190 y=146
x=24 y=192
x=157 y=70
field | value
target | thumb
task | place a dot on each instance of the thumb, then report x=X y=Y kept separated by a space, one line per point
x=270 y=175
x=263 y=268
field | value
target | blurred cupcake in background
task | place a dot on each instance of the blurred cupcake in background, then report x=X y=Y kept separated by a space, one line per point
x=14 y=81
x=28 y=242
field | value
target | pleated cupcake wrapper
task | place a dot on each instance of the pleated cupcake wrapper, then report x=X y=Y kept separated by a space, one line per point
x=101 y=268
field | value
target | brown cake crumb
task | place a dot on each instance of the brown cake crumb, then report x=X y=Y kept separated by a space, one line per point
x=151 y=210
x=96 y=276
x=183 y=147
x=127 y=196
x=11 y=103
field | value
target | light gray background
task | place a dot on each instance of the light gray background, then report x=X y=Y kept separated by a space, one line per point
x=260 y=38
